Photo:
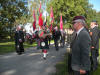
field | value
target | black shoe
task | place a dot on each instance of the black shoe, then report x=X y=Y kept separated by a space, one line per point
x=38 y=48
x=22 y=51
x=19 y=53
x=57 y=49
x=44 y=58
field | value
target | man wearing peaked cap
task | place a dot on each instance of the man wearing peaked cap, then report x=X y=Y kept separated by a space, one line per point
x=80 y=60
x=95 y=35
x=94 y=21
x=79 y=17
x=82 y=20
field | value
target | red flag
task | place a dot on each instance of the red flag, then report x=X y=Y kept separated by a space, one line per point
x=40 y=20
x=40 y=7
x=51 y=18
x=51 y=15
x=34 y=22
x=41 y=34
x=61 y=23
x=40 y=17
x=34 y=25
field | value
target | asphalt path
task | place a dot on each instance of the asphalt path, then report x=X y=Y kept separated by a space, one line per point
x=31 y=62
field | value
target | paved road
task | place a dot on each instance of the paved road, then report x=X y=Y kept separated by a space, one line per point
x=31 y=62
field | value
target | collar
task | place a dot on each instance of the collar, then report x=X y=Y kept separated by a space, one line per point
x=94 y=26
x=79 y=30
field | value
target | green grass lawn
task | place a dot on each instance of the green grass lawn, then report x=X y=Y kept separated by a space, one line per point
x=9 y=46
x=97 y=72
x=61 y=67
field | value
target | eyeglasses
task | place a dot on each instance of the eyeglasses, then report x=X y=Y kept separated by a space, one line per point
x=74 y=23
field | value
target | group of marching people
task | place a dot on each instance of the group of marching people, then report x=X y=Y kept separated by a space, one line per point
x=45 y=36
x=42 y=37
x=83 y=49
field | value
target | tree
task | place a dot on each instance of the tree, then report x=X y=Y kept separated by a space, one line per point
x=34 y=5
x=69 y=9
x=98 y=18
x=10 y=10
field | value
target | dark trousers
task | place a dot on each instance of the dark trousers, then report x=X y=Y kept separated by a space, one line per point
x=78 y=73
x=62 y=42
x=97 y=52
x=69 y=63
x=38 y=43
x=19 y=48
x=56 y=44
x=94 y=59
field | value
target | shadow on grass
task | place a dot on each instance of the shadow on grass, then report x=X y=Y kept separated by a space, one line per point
x=6 y=40
x=7 y=47
x=61 y=67
x=96 y=72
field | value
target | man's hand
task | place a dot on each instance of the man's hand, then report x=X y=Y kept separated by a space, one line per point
x=20 y=40
x=92 y=47
x=82 y=71
x=91 y=33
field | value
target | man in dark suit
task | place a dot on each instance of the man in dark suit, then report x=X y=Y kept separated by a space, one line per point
x=56 y=37
x=19 y=39
x=95 y=35
x=62 y=40
x=80 y=62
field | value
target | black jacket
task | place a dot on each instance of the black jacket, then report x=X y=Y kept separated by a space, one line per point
x=19 y=35
x=56 y=35
x=95 y=37
x=80 y=51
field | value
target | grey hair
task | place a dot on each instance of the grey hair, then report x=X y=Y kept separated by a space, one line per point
x=82 y=21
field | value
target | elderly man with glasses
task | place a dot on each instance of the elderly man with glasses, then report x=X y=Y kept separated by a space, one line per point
x=80 y=60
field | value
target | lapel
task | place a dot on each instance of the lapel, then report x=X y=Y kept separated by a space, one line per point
x=75 y=38
x=81 y=32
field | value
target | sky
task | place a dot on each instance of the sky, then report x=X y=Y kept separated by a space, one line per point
x=96 y=4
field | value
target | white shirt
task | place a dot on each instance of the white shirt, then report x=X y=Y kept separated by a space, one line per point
x=93 y=26
x=79 y=30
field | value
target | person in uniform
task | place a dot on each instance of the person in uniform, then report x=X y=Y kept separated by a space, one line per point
x=62 y=40
x=95 y=35
x=19 y=39
x=80 y=59
x=56 y=37
x=43 y=41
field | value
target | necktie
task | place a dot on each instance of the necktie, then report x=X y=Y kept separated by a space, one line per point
x=75 y=35
x=73 y=40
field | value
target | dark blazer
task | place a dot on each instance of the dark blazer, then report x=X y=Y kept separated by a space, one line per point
x=56 y=35
x=19 y=35
x=95 y=37
x=80 y=51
